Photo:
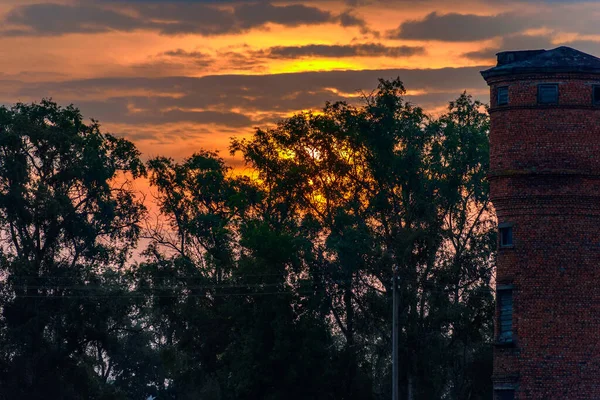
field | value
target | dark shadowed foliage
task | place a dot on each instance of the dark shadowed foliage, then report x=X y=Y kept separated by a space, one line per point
x=383 y=185
x=68 y=220
x=271 y=288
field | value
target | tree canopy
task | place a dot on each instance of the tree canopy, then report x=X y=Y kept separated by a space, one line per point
x=277 y=287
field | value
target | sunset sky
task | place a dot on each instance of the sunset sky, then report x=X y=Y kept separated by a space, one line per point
x=175 y=76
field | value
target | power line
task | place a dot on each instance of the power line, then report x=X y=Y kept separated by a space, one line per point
x=160 y=295
x=406 y=276
x=149 y=290
x=150 y=293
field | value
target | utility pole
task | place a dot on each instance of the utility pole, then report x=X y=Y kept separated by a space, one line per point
x=395 y=388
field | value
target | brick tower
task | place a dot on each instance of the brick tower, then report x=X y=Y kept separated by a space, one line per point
x=545 y=186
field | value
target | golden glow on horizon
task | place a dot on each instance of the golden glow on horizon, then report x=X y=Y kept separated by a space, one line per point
x=313 y=65
x=143 y=53
x=42 y=66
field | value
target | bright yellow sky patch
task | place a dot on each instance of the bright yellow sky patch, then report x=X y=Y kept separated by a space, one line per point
x=145 y=53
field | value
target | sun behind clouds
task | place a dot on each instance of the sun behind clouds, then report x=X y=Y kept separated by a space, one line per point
x=175 y=76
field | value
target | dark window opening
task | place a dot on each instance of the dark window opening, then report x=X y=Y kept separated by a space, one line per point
x=502 y=96
x=506 y=394
x=596 y=98
x=506 y=235
x=548 y=94
x=505 y=314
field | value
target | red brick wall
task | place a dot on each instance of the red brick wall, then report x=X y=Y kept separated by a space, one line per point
x=545 y=179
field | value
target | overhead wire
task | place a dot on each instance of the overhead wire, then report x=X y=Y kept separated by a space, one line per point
x=184 y=291
x=302 y=286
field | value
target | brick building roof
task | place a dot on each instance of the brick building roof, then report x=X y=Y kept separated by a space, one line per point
x=560 y=59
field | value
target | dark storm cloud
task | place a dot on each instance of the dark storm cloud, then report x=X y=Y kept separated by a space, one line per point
x=118 y=110
x=516 y=42
x=527 y=42
x=235 y=103
x=460 y=27
x=482 y=55
x=587 y=46
x=180 y=61
x=531 y=42
x=165 y=17
x=251 y=93
x=276 y=85
x=56 y=19
x=196 y=55
x=349 y=19
x=257 y=14
x=349 y=50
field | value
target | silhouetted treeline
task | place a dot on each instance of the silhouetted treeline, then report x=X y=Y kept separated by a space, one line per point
x=271 y=287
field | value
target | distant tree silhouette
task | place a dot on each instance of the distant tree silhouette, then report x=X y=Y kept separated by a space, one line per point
x=67 y=219
x=277 y=287
x=383 y=184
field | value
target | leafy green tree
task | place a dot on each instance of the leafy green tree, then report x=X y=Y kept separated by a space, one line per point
x=68 y=219
x=189 y=265
x=466 y=256
x=385 y=185
x=230 y=316
x=272 y=288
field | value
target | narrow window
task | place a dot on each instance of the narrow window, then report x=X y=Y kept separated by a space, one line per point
x=548 y=94
x=502 y=96
x=505 y=313
x=506 y=234
x=596 y=96
x=505 y=394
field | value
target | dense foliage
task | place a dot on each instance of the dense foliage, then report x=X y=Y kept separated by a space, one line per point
x=271 y=287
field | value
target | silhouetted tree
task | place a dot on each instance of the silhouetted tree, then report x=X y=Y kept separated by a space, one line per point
x=228 y=312
x=67 y=219
x=277 y=287
x=383 y=184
